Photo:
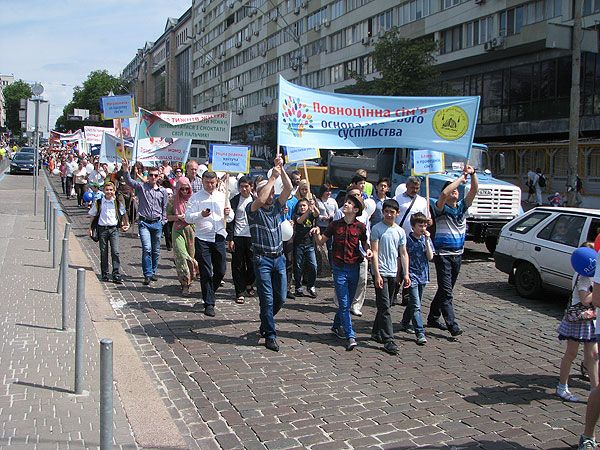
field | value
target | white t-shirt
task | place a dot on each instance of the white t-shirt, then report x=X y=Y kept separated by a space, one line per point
x=404 y=201
x=108 y=214
x=241 y=228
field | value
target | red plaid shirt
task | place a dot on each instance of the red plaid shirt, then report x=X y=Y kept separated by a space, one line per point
x=346 y=237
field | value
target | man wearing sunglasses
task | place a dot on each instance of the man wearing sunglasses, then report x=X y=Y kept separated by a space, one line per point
x=153 y=215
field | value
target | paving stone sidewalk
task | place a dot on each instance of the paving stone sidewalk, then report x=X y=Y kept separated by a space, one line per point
x=492 y=388
x=37 y=407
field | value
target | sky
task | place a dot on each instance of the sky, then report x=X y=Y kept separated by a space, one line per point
x=59 y=42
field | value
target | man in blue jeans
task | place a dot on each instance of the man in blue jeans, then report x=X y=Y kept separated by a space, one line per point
x=267 y=246
x=449 y=242
x=153 y=215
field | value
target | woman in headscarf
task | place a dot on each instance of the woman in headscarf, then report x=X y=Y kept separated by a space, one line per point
x=183 y=235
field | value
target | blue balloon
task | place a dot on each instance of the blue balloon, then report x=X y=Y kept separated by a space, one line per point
x=583 y=261
x=88 y=197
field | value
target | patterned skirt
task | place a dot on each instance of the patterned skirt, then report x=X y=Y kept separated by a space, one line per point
x=583 y=331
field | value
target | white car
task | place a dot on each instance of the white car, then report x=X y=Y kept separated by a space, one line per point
x=535 y=249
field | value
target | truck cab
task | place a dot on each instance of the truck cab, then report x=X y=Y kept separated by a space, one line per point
x=496 y=203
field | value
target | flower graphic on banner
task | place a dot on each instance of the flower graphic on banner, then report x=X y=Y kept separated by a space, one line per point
x=295 y=115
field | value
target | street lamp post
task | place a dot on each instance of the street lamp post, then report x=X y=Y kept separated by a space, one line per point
x=37 y=90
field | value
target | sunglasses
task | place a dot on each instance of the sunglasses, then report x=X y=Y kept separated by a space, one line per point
x=153 y=175
x=178 y=171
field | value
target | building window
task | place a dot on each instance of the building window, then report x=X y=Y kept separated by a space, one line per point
x=590 y=7
x=479 y=31
x=451 y=39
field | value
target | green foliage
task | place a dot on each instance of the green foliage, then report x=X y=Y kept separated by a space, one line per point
x=87 y=96
x=406 y=68
x=13 y=93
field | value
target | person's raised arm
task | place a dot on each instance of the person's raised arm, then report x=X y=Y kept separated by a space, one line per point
x=474 y=185
x=448 y=190
x=287 y=183
x=127 y=176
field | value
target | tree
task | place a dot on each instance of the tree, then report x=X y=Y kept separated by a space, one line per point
x=98 y=84
x=406 y=68
x=13 y=93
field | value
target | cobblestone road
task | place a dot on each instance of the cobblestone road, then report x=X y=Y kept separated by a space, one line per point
x=491 y=389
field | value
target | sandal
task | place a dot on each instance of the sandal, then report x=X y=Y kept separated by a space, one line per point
x=584 y=371
x=185 y=291
x=240 y=300
x=250 y=291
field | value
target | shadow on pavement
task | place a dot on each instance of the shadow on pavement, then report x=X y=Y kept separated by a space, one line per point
x=41 y=386
x=41 y=327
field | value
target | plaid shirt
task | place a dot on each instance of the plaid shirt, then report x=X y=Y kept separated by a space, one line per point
x=265 y=230
x=346 y=240
x=196 y=184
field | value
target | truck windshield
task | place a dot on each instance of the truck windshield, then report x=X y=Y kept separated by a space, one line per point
x=477 y=158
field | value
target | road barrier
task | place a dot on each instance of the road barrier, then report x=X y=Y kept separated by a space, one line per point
x=79 y=315
x=106 y=394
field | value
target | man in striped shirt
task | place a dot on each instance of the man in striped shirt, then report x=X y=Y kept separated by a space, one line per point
x=449 y=241
x=267 y=245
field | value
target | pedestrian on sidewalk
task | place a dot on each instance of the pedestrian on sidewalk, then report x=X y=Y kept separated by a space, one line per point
x=207 y=208
x=420 y=252
x=183 y=235
x=239 y=242
x=264 y=219
x=388 y=244
x=111 y=216
x=449 y=242
x=348 y=234
x=153 y=200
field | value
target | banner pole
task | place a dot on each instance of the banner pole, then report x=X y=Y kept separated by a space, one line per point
x=226 y=198
x=427 y=193
x=307 y=180
x=121 y=136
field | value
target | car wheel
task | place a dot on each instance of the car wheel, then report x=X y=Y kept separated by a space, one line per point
x=490 y=243
x=528 y=281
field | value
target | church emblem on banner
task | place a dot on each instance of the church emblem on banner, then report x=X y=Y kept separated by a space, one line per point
x=450 y=123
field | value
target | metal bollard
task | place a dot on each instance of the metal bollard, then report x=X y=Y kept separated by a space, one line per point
x=63 y=277
x=79 y=311
x=53 y=238
x=50 y=226
x=66 y=236
x=106 y=394
x=45 y=208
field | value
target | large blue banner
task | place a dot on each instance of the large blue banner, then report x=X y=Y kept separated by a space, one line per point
x=311 y=118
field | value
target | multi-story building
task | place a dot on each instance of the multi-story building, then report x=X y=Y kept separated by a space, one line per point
x=5 y=80
x=515 y=54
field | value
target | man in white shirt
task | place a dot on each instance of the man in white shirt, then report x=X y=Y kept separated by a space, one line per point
x=71 y=166
x=111 y=216
x=239 y=242
x=209 y=209
x=97 y=175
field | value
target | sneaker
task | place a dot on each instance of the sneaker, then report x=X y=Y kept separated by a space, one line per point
x=209 y=310
x=456 y=331
x=437 y=324
x=351 y=344
x=586 y=443
x=153 y=278
x=421 y=339
x=117 y=279
x=376 y=338
x=339 y=332
x=104 y=278
x=147 y=281
x=272 y=344
x=312 y=292
x=290 y=295
x=406 y=328
x=355 y=312
x=391 y=348
x=566 y=395
x=298 y=293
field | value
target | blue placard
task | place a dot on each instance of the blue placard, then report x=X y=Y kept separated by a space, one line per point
x=427 y=161
x=229 y=158
x=293 y=154
x=117 y=107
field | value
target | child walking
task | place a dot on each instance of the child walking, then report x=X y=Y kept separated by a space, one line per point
x=347 y=233
x=420 y=252
x=305 y=219
x=576 y=332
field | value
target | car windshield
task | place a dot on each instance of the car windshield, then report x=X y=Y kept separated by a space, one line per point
x=27 y=150
x=23 y=157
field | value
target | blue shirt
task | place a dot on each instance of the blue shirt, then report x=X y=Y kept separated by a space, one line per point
x=450 y=228
x=418 y=264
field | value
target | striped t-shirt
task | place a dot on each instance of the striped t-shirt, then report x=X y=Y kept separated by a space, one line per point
x=450 y=228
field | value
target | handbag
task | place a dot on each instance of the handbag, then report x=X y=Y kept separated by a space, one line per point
x=579 y=312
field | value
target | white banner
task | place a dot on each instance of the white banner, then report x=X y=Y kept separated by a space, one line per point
x=111 y=150
x=214 y=126
x=93 y=135
x=152 y=150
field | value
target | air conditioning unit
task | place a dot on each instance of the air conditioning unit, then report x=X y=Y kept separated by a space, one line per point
x=267 y=101
x=497 y=42
x=297 y=11
x=317 y=27
x=326 y=23
x=304 y=4
x=252 y=12
x=223 y=55
x=294 y=66
x=366 y=41
x=203 y=29
x=248 y=38
x=305 y=60
x=238 y=44
x=204 y=9
x=232 y=5
x=479 y=2
x=241 y=88
x=239 y=111
x=256 y=33
x=264 y=53
x=487 y=46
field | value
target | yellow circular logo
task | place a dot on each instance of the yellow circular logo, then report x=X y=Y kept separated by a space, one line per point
x=450 y=123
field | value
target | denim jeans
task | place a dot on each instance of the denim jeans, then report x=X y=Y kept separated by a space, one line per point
x=106 y=235
x=383 y=327
x=271 y=285
x=447 y=268
x=304 y=256
x=150 y=234
x=412 y=313
x=212 y=261
x=345 y=281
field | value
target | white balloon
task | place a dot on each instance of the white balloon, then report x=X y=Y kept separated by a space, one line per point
x=287 y=230
x=278 y=183
x=401 y=189
x=111 y=167
x=369 y=207
x=89 y=168
x=56 y=172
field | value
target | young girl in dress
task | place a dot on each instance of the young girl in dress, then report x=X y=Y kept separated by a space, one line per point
x=576 y=332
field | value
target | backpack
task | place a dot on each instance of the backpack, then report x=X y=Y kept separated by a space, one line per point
x=541 y=180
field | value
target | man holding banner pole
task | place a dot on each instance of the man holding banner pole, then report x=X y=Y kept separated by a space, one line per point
x=209 y=210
